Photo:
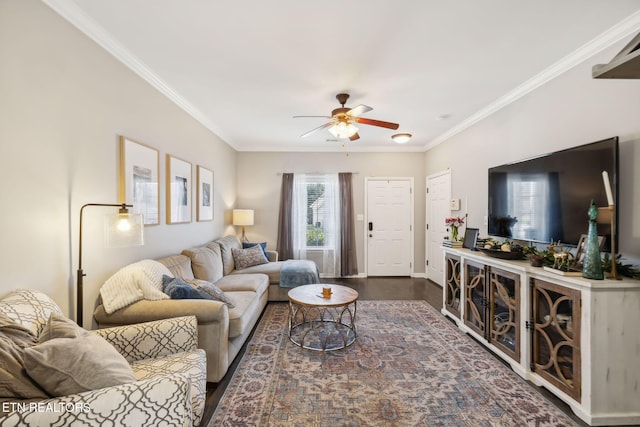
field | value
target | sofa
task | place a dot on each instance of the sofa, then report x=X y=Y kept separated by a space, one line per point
x=222 y=330
x=168 y=386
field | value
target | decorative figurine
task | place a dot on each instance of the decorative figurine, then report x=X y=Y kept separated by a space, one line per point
x=592 y=266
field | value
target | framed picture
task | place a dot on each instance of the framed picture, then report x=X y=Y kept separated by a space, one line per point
x=582 y=250
x=139 y=184
x=204 y=195
x=470 y=238
x=178 y=190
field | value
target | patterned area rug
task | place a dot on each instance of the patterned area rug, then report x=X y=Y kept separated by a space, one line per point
x=409 y=367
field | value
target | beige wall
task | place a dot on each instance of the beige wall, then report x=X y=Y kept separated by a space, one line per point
x=63 y=103
x=572 y=109
x=259 y=182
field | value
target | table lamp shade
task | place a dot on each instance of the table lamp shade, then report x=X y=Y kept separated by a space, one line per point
x=243 y=217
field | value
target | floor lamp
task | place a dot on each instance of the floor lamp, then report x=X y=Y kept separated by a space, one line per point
x=243 y=217
x=121 y=229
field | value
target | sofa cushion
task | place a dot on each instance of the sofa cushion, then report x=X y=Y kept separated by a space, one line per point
x=63 y=366
x=257 y=283
x=211 y=291
x=14 y=381
x=178 y=265
x=249 y=257
x=271 y=269
x=137 y=281
x=226 y=244
x=205 y=262
x=240 y=317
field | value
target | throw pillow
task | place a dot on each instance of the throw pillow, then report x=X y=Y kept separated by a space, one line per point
x=137 y=281
x=63 y=366
x=212 y=291
x=177 y=288
x=263 y=245
x=249 y=257
x=59 y=326
x=14 y=381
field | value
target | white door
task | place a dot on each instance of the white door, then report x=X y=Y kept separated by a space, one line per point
x=437 y=209
x=389 y=226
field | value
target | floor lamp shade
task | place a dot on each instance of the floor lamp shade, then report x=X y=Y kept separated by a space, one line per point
x=243 y=217
x=121 y=229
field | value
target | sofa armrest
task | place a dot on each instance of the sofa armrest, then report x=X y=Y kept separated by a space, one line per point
x=153 y=339
x=272 y=255
x=206 y=311
x=162 y=400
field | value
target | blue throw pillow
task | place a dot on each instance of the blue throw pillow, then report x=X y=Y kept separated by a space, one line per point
x=177 y=288
x=263 y=245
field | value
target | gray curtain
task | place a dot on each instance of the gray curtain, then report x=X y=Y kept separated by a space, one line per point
x=285 y=234
x=348 y=257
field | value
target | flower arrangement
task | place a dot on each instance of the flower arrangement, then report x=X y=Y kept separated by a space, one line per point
x=454 y=222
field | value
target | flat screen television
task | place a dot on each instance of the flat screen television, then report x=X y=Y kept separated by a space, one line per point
x=548 y=197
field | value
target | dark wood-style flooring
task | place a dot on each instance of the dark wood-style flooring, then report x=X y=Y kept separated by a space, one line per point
x=372 y=288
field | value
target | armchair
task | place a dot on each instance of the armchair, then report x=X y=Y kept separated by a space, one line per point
x=170 y=374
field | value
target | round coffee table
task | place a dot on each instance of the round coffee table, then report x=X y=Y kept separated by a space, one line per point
x=319 y=323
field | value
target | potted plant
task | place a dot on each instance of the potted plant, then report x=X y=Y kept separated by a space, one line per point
x=536 y=259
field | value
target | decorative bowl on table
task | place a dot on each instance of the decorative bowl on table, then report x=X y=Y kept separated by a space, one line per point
x=498 y=253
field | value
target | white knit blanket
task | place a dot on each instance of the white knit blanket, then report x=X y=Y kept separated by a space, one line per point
x=137 y=281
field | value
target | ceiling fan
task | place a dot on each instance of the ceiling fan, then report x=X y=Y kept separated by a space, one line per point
x=343 y=119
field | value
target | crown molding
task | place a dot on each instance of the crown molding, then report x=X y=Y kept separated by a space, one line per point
x=69 y=11
x=624 y=28
x=76 y=17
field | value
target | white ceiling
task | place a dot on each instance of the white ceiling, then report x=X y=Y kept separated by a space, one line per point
x=244 y=68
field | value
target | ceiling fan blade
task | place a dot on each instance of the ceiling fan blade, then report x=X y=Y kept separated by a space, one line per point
x=360 y=109
x=378 y=123
x=324 y=117
x=326 y=125
x=354 y=137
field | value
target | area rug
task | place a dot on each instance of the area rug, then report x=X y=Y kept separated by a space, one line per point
x=408 y=367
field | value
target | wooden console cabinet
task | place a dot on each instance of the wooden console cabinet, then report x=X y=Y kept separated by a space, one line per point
x=576 y=337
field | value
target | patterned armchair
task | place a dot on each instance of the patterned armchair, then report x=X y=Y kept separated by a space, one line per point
x=170 y=374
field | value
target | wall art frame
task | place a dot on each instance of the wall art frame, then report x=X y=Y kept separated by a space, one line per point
x=139 y=182
x=178 y=190
x=204 y=194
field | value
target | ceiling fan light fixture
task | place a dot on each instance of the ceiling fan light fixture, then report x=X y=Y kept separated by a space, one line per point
x=401 y=138
x=343 y=130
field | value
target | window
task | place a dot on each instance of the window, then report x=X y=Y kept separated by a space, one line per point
x=316 y=221
x=315 y=214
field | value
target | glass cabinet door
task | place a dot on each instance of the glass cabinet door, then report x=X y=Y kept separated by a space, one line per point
x=475 y=308
x=556 y=335
x=452 y=285
x=504 y=311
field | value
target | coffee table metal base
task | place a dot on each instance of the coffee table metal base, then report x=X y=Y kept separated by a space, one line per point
x=322 y=328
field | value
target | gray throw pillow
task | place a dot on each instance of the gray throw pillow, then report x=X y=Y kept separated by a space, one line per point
x=248 y=257
x=60 y=327
x=76 y=361
x=212 y=291
x=14 y=381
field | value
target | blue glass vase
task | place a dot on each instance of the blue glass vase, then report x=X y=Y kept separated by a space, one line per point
x=592 y=266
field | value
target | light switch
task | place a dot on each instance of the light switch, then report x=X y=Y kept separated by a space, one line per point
x=360 y=217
